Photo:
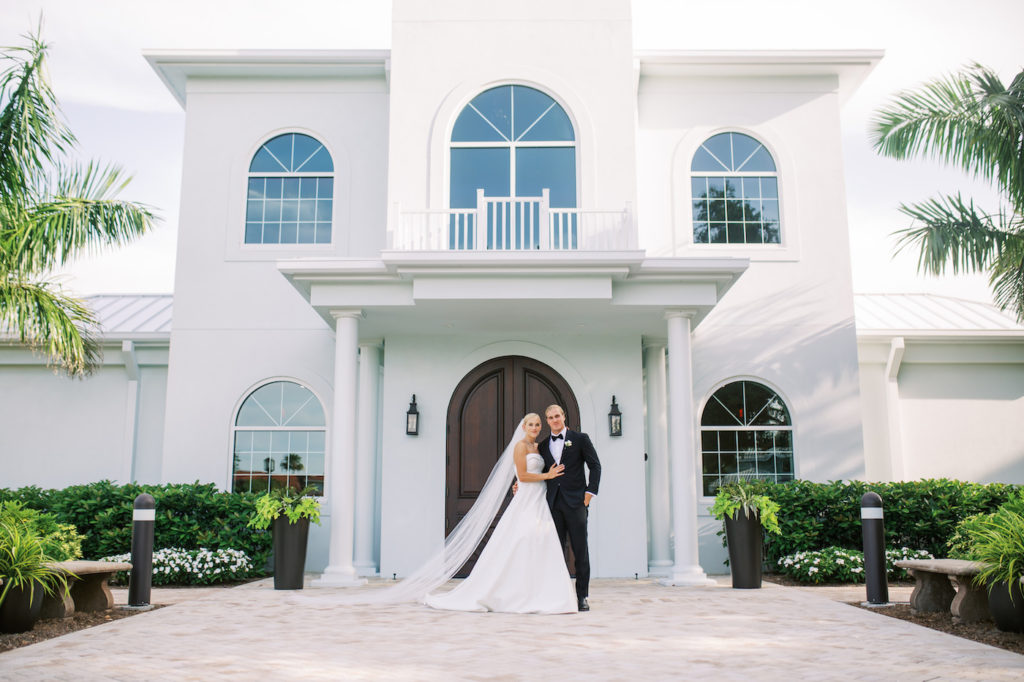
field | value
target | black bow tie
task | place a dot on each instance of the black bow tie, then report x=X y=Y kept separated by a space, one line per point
x=558 y=437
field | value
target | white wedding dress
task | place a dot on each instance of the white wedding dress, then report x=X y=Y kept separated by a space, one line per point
x=521 y=569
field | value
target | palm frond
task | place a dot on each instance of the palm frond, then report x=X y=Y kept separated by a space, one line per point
x=81 y=213
x=969 y=119
x=41 y=316
x=32 y=134
x=950 y=232
x=1007 y=279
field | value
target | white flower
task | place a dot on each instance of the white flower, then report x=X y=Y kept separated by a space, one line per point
x=568 y=443
x=812 y=569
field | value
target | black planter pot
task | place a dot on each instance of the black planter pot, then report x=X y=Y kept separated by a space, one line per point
x=290 y=541
x=19 y=613
x=1006 y=612
x=744 y=538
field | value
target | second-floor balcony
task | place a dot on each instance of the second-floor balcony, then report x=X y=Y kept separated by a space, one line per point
x=511 y=224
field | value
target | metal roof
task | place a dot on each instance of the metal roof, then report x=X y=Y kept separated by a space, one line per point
x=930 y=314
x=133 y=315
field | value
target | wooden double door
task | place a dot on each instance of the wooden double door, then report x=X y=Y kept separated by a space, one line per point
x=484 y=412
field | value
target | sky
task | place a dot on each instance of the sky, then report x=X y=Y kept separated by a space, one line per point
x=121 y=112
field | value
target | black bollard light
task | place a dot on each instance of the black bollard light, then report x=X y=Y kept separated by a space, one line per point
x=143 y=523
x=873 y=525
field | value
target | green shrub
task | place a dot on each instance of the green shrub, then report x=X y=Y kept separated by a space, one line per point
x=922 y=514
x=838 y=565
x=59 y=541
x=189 y=515
x=176 y=566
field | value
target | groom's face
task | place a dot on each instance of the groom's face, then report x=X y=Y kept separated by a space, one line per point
x=556 y=420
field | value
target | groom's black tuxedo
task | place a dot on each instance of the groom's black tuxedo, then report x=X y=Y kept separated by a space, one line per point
x=566 y=494
x=573 y=483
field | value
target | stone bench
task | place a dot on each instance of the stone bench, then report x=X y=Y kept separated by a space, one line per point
x=89 y=588
x=947 y=584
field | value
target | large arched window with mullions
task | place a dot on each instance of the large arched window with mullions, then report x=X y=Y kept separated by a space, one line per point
x=734 y=192
x=279 y=438
x=513 y=141
x=745 y=432
x=291 y=192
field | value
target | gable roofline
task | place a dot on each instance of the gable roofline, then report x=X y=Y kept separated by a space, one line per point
x=850 y=67
x=176 y=67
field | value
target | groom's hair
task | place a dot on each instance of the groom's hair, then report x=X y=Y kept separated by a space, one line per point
x=554 y=407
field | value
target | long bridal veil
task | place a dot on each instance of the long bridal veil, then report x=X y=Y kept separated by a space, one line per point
x=460 y=543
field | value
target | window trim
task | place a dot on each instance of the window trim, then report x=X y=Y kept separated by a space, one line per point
x=737 y=174
x=511 y=145
x=788 y=248
x=233 y=427
x=699 y=429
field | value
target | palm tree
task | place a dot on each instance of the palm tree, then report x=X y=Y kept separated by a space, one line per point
x=51 y=210
x=971 y=120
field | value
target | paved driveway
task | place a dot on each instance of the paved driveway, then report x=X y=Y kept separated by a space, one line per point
x=636 y=630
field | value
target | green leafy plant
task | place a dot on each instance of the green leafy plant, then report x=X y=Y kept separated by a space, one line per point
x=61 y=541
x=998 y=542
x=282 y=501
x=188 y=515
x=746 y=498
x=24 y=563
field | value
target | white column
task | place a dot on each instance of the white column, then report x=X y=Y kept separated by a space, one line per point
x=131 y=420
x=366 y=457
x=657 y=460
x=342 y=464
x=686 y=569
x=897 y=348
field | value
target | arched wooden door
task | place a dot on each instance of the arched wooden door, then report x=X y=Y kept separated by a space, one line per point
x=482 y=416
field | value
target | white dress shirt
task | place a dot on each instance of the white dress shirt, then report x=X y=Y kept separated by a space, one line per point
x=556 y=446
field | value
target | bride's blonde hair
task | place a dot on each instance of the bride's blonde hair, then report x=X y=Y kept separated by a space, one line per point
x=532 y=414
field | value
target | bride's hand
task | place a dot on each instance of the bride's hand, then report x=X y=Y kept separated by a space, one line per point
x=556 y=471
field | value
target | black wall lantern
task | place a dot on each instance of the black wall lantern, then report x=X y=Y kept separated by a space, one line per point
x=614 y=420
x=412 y=419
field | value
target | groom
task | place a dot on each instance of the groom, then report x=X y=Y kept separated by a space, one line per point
x=569 y=495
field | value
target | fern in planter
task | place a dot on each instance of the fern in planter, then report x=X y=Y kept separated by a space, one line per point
x=284 y=501
x=744 y=497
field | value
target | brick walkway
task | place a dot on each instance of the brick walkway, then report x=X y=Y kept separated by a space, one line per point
x=637 y=629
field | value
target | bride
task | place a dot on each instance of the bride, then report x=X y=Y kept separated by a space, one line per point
x=521 y=570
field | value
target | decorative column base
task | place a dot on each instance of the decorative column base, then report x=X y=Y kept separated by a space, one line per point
x=338 y=577
x=367 y=570
x=687 y=576
x=659 y=569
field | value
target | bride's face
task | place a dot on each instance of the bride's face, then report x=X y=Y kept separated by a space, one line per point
x=532 y=427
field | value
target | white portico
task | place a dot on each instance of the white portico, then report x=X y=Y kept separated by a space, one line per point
x=544 y=301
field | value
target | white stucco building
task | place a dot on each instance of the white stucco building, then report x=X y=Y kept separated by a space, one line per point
x=508 y=208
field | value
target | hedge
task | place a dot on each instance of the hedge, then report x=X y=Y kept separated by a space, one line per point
x=188 y=515
x=918 y=514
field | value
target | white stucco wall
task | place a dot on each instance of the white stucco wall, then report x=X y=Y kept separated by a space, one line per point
x=444 y=54
x=237 y=321
x=960 y=402
x=56 y=431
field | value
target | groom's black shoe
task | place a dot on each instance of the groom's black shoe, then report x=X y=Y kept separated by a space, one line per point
x=583 y=605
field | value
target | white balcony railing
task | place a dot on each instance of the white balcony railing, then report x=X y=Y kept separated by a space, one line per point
x=511 y=224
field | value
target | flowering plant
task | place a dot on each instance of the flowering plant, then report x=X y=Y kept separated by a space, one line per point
x=838 y=565
x=294 y=505
x=176 y=566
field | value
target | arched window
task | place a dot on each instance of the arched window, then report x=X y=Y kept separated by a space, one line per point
x=291 y=192
x=745 y=432
x=279 y=439
x=512 y=141
x=735 y=192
